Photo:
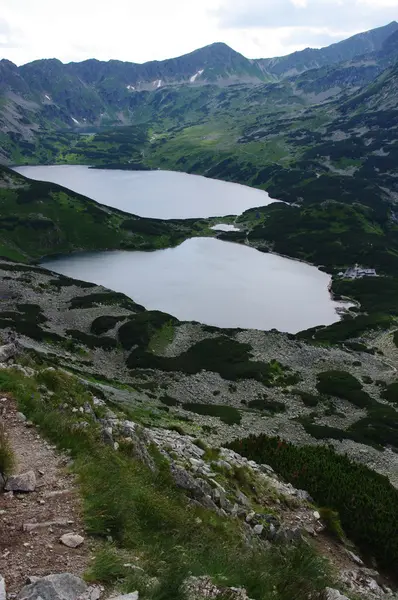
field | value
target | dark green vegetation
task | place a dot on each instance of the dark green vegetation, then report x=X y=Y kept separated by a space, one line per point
x=345 y=386
x=390 y=393
x=148 y=517
x=370 y=518
x=379 y=428
x=227 y=414
x=40 y=218
x=101 y=325
x=28 y=320
x=223 y=355
x=271 y=406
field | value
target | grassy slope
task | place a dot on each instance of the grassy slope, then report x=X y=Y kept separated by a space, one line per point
x=149 y=520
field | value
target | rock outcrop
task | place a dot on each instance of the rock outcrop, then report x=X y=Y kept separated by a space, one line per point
x=25 y=482
x=63 y=586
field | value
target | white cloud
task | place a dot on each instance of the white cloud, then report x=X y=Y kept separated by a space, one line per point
x=138 y=31
x=348 y=14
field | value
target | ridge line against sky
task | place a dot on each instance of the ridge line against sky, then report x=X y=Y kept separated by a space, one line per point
x=136 y=31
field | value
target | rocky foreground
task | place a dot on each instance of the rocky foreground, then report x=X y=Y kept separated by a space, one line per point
x=268 y=512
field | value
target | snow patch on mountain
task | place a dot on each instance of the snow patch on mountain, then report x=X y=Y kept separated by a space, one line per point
x=197 y=74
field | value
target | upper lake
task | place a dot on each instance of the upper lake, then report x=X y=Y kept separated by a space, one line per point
x=156 y=194
x=213 y=282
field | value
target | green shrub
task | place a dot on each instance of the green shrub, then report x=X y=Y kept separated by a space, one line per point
x=101 y=325
x=140 y=328
x=332 y=523
x=271 y=406
x=370 y=518
x=107 y=298
x=395 y=338
x=223 y=355
x=345 y=386
x=169 y=400
x=227 y=414
x=307 y=398
x=92 y=341
x=390 y=392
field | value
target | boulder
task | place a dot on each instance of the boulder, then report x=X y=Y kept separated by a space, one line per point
x=63 y=586
x=332 y=594
x=199 y=489
x=25 y=482
x=354 y=558
x=199 y=588
x=2 y=588
x=7 y=351
x=72 y=540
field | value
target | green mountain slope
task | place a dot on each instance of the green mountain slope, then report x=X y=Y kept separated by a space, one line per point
x=38 y=218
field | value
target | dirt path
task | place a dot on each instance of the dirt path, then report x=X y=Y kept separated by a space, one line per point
x=39 y=551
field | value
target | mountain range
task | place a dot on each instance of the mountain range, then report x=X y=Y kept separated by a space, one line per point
x=47 y=94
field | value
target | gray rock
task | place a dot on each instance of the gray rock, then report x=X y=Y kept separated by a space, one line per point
x=72 y=540
x=94 y=592
x=7 y=351
x=198 y=588
x=2 y=588
x=21 y=417
x=242 y=499
x=354 y=558
x=107 y=436
x=98 y=401
x=285 y=535
x=258 y=529
x=200 y=490
x=25 y=482
x=303 y=495
x=63 y=586
x=332 y=594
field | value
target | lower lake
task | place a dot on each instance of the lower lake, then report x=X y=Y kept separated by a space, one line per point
x=214 y=282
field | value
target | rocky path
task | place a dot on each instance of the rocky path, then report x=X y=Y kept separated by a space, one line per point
x=32 y=523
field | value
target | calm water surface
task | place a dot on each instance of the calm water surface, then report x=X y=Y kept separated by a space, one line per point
x=214 y=282
x=157 y=194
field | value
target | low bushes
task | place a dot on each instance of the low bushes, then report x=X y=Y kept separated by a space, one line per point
x=140 y=328
x=92 y=341
x=345 y=386
x=307 y=398
x=223 y=355
x=271 y=406
x=370 y=518
x=108 y=298
x=390 y=392
x=227 y=414
x=101 y=325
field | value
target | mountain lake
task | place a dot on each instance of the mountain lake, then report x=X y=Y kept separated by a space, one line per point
x=204 y=279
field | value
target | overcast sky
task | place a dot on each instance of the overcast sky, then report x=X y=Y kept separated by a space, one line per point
x=141 y=30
